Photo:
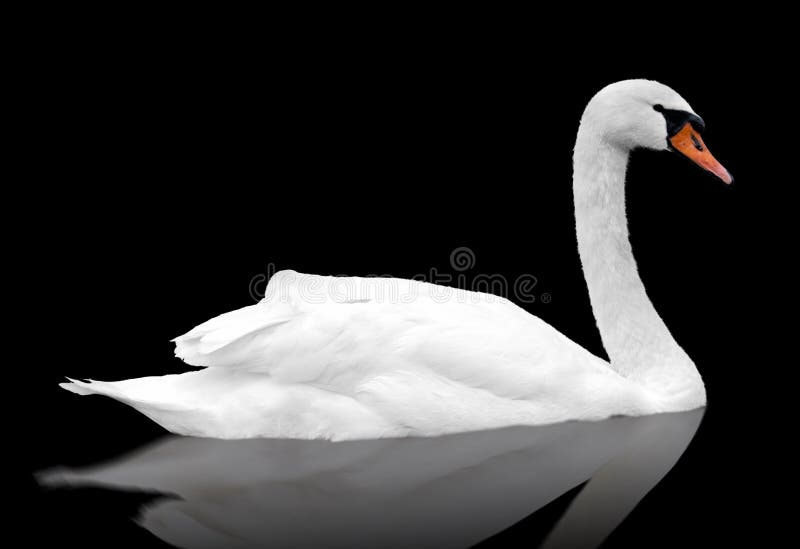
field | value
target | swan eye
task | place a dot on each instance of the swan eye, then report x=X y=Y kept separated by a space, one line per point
x=676 y=119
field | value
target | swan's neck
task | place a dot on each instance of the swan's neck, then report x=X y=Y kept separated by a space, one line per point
x=638 y=342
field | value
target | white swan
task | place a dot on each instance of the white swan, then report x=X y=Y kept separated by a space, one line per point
x=350 y=358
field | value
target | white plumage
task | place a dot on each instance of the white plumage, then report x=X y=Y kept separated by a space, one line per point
x=348 y=358
x=321 y=363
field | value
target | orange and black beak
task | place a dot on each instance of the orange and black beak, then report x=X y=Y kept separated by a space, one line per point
x=688 y=142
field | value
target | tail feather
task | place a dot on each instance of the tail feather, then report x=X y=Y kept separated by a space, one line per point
x=168 y=400
x=77 y=387
x=92 y=387
x=142 y=393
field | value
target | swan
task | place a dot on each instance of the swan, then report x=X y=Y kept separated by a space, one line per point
x=355 y=358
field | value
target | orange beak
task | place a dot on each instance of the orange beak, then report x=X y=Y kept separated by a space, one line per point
x=689 y=143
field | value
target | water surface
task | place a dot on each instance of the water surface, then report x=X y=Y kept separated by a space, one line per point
x=452 y=491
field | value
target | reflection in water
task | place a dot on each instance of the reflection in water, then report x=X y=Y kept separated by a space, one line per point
x=450 y=491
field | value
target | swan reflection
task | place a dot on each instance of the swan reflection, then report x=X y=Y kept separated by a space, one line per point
x=450 y=491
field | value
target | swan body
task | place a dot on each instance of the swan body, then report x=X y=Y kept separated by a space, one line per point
x=308 y=366
x=352 y=358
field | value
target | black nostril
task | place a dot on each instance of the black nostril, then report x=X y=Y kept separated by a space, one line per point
x=697 y=144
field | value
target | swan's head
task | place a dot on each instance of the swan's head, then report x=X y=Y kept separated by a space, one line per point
x=643 y=113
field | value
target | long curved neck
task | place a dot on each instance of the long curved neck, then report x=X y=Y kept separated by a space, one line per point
x=638 y=342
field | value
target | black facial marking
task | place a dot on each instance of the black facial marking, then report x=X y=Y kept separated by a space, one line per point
x=697 y=144
x=677 y=119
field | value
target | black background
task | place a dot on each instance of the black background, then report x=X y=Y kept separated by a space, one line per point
x=170 y=168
